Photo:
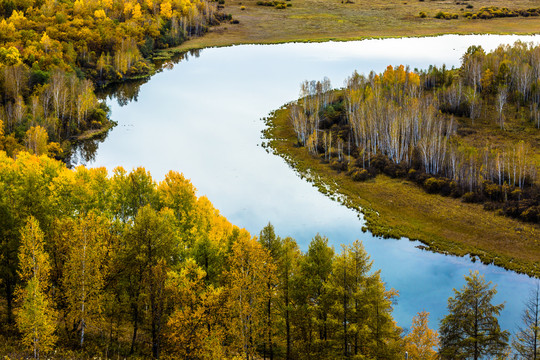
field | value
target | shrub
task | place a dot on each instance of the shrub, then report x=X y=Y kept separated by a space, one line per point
x=242 y=8
x=360 y=175
x=471 y=197
x=422 y=14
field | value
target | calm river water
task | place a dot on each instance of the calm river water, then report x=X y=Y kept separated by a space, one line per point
x=202 y=117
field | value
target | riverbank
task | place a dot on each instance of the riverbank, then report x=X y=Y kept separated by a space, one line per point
x=398 y=208
x=317 y=21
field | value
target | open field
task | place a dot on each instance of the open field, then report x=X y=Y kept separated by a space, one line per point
x=399 y=208
x=321 y=20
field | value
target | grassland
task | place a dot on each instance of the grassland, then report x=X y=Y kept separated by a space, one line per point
x=399 y=208
x=322 y=20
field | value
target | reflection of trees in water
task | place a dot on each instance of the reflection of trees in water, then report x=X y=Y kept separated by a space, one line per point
x=84 y=152
x=124 y=92
x=128 y=91
x=175 y=59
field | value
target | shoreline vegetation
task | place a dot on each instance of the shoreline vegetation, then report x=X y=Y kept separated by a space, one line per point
x=53 y=57
x=441 y=156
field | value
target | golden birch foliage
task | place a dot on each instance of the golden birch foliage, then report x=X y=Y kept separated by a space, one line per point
x=166 y=9
x=136 y=12
x=100 y=14
x=36 y=140
x=33 y=260
x=178 y=194
x=46 y=42
x=84 y=272
x=36 y=318
x=9 y=56
x=421 y=341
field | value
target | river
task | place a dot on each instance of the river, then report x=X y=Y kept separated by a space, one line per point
x=202 y=117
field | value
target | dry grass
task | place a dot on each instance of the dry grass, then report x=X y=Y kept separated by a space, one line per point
x=398 y=208
x=320 y=20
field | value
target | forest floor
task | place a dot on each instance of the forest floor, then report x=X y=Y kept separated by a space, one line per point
x=399 y=208
x=323 y=20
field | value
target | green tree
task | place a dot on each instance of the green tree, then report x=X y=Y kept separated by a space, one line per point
x=313 y=301
x=471 y=329
x=272 y=244
x=287 y=267
x=527 y=340
x=36 y=318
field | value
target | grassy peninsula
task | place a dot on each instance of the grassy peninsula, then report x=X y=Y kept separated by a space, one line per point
x=413 y=188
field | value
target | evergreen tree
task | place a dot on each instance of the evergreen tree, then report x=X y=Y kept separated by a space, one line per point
x=527 y=341
x=272 y=244
x=287 y=269
x=471 y=329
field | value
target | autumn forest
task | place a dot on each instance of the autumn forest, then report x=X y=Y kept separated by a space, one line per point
x=98 y=263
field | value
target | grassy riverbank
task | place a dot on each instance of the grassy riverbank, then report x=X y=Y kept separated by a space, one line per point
x=399 y=208
x=318 y=20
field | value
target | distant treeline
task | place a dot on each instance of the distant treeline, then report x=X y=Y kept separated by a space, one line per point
x=414 y=124
x=53 y=53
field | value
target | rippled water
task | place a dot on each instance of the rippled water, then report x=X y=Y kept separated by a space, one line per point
x=203 y=118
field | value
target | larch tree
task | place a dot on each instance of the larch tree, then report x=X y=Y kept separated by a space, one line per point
x=272 y=244
x=36 y=318
x=287 y=269
x=151 y=247
x=250 y=269
x=421 y=342
x=471 y=329
x=527 y=338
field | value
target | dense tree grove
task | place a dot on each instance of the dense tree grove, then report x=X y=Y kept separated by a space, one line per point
x=52 y=54
x=413 y=124
x=119 y=265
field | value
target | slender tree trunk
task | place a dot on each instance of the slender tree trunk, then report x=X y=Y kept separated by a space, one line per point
x=135 y=328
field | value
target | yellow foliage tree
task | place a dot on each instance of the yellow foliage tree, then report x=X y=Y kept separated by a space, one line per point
x=84 y=271
x=166 y=9
x=195 y=325
x=421 y=342
x=46 y=42
x=36 y=140
x=36 y=318
x=136 y=12
x=250 y=269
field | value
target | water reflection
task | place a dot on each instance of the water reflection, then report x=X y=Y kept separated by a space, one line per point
x=202 y=118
